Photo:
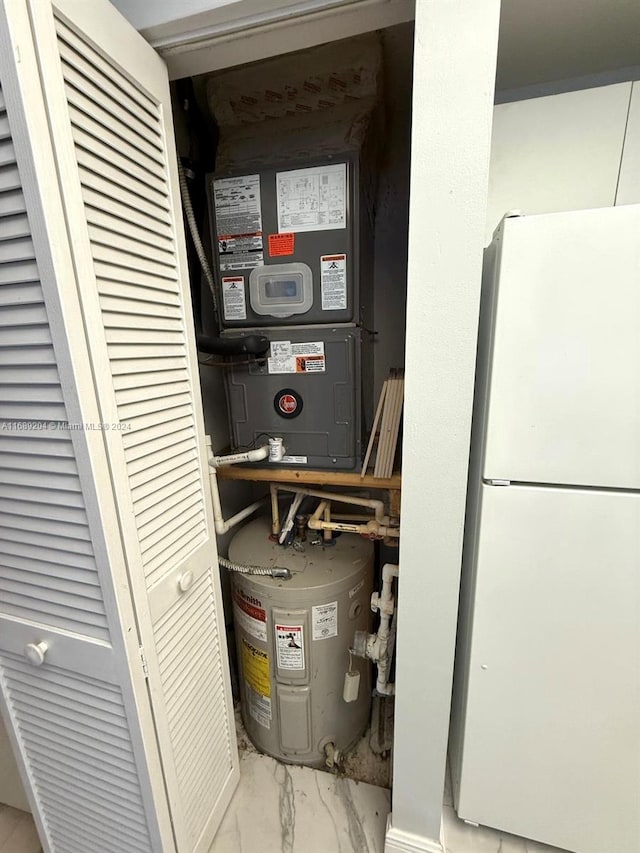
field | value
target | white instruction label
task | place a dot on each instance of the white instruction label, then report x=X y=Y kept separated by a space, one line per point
x=238 y=222
x=295 y=460
x=255 y=629
x=233 y=298
x=333 y=282
x=259 y=706
x=312 y=199
x=289 y=646
x=325 y=620
x=296 y=358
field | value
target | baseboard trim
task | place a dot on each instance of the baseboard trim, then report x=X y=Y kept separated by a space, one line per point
x=398 y=841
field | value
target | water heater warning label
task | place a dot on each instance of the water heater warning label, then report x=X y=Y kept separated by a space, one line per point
x=290 y=646
x=250 y=616
x=325 y=620
x=255 y=668
x=333 y=282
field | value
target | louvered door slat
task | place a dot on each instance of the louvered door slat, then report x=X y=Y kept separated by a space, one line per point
x=23 y=315
x=145 y=379
x=99 y=161
x=11 y=202
x=35 y=462
x=179 y=504
x=103 y=226
x=126 y=318
x=16 y=226
x=143 y=468
x=122 y=193
x=7 y=154
x=85 y=92
x=109 y=744
x=123 y=797
x=23 y=356
x=12 y=248
x=151 y=438
x=133 y=246
x=92 y=821
x=111 y=82
x=159 y=395
x=48 y=512
x=119 y=216
x=9 y=178
x=86 y=124
x=93 y=146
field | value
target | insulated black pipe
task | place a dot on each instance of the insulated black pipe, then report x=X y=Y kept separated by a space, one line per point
x=245 y=345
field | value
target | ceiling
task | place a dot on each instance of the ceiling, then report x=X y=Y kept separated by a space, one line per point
x=541 y=41
x=546 y=40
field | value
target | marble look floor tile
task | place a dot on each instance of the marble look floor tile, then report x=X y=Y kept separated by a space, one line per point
x=460 y=837
x=280 y=808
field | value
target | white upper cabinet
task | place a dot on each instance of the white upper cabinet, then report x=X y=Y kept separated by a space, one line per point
x=560 y=152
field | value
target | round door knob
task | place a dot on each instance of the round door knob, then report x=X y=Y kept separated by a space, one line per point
x=186 y=581
x=35 y=653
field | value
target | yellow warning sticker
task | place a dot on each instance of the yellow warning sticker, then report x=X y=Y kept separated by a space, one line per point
x=255 y=667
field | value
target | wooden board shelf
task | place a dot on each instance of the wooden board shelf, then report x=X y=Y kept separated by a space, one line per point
x=307 y=477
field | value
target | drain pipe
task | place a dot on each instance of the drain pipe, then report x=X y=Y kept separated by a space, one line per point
x=378 y=647
x=377 y=527
x=274 y=451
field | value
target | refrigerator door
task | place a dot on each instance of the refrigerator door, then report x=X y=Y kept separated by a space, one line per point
x=551 y=699
x=564 y=387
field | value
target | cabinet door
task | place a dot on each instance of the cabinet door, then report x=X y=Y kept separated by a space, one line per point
x=564 y=391
x=551 y=742
x=114 y=564
x=628 y=190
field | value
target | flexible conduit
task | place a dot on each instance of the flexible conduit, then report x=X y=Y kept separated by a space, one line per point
x=275 y=572
x=195 y=235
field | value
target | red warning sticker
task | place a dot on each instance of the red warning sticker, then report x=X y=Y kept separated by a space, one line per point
x=282 y=244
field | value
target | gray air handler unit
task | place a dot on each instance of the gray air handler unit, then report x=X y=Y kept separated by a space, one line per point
x=303 y=699
x=292 y=223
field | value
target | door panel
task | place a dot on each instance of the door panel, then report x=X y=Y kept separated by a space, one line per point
x=551 y=742
x=76 y=740
x=116 y=284
x=564 y=394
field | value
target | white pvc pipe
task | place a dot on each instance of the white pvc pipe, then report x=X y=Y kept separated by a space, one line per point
x=375 y=505
x=365 y=528
x=386 y=605
x=256 y=455
x=220 y=524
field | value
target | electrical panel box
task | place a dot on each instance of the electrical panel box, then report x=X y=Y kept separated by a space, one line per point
x=286 y=242
x=307 y=391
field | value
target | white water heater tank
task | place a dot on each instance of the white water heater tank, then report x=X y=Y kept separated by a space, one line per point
x=293 y=639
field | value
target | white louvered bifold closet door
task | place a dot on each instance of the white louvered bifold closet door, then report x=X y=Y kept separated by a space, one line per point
x=105 y=93
x=67 y=717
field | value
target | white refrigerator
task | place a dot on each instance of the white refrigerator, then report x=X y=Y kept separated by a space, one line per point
x=545 y=737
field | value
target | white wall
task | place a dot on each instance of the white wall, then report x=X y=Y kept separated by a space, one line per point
x=454 y=73
x=560 y=152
